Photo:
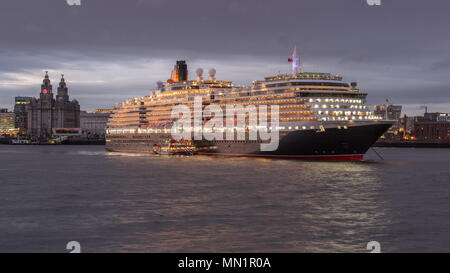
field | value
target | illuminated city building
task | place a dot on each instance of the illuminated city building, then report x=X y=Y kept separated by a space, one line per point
x=7 y=127
x=391 y=112
x=432 y=131
x=434 y=127
x=394 y=113
x=47 y=112
x=20 y=114
x=93 y=125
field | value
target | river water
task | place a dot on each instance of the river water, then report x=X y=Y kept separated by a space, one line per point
x=109 y=202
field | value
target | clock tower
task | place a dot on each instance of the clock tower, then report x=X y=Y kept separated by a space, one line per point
x=63 y=91
x=46 y=87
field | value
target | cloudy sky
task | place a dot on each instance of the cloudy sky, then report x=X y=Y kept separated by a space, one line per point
x=110 y=50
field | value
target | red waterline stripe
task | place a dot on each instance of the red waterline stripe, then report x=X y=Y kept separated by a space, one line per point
x=355 y=157
x=358 y=157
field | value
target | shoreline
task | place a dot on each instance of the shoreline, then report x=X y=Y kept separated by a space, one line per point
x=410 y=144
x=72 y=142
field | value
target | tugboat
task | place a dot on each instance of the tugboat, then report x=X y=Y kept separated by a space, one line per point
x=173 y=147
x=58 y=140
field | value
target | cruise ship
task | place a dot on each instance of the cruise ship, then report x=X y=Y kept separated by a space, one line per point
x=319 y=116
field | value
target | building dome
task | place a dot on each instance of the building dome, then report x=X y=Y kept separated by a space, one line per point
x=46 y=78
x=212 y=74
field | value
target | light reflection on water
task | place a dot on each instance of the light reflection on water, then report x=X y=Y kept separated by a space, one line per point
x=113 y=202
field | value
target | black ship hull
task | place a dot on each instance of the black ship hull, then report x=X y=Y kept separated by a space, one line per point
x=343 y=143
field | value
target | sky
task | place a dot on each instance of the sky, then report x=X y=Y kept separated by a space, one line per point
x=111 y=50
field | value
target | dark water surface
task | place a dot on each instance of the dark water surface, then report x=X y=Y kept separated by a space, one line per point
x=50 y=195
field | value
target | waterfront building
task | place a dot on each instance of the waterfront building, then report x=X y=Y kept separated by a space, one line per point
x=391 y=112
x=436 y=116
x=7 y=127
x=107 y=110
x=47 y=112
x=444 y=117
x=20 y=114
x=93 y=125
x=432 y=131
x=432 y=127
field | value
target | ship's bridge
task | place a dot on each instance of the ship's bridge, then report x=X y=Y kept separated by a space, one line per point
x=306 y=81
x=305 y=76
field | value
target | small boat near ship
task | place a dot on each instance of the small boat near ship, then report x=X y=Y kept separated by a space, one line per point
x=173 y=147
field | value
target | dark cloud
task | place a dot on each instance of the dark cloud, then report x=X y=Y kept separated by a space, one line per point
x=123 y=46
x=441 y=65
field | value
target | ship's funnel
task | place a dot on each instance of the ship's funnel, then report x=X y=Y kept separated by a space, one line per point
x=180 y=72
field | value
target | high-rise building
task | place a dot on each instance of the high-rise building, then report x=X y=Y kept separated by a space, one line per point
x=391 y=112
x=20 y=116
x=47 y=113
x=7 y=127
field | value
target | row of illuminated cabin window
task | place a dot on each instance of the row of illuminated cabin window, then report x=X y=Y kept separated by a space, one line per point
x=345 y=118
x=337 y=106
x=167 y=111
x=287 y=84
x=134 y=108
x=170 y=105
x=214 y=98
x=250 y=100
x=303 y=75
x=182 y=97
x=236 y=129
x=284 y=116
x=341 y=100
x=244 y=95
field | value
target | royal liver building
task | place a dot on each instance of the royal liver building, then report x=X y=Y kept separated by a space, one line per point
x=48 y=113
